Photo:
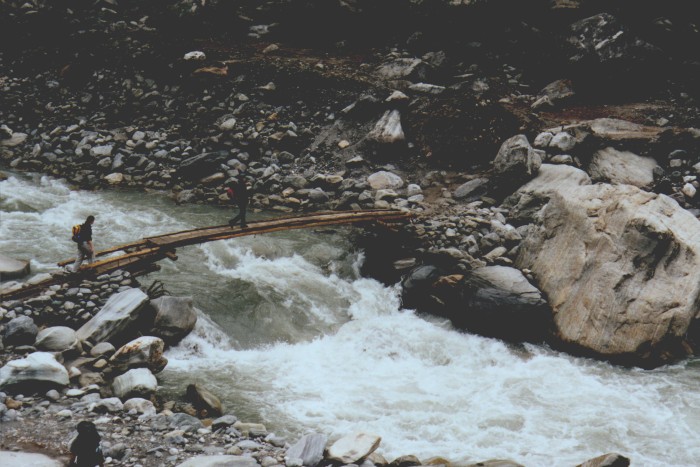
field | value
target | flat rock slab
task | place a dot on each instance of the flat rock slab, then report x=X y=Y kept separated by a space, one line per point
x=11 y=268
x=18 y=459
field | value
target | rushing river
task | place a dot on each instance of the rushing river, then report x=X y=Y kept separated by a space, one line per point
x=291 y=336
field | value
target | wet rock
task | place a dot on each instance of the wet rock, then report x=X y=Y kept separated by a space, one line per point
x=12 y=268
x=496 y=463
x=250 y=429
x=405 y=461
x=203 y=400
x=37 y=370
x=498 y=301
x=175 y=318
x=352 y=448
x=138 y=382
x=607 y=460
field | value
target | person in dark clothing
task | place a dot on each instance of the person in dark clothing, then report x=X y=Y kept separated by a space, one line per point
x=85 y=449
x=85 y=248
x=239 y=192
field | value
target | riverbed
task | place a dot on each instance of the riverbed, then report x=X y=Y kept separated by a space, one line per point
x=290 y=335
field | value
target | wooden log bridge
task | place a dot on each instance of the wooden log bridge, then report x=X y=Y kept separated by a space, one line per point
x=140 y=257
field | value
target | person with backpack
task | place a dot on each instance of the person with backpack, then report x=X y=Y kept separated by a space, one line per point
x=85 y=449
x=239 y=191
x=82 y=235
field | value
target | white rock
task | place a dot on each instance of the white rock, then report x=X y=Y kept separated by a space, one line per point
x=308 y=450
x=115 y=178
x=350 y=449
x=689 y=190
x=412 y=189
x=142 y=406
x=385 y=180
x=57 y=339
x=101 y=151
x=543 y=139
x=228 y=124
x=36 y=368
x=563 y=141
x=195 y=55
x=622 y=167
x=120 y=311
x=15 y=140
x=388 y=129
x=136 y=382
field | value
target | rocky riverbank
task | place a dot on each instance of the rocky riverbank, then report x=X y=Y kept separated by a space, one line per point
x=550 y=152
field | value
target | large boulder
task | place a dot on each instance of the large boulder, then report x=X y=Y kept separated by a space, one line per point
x=56 y=339
x=35 y=372
x=622 y=167
x=20 y=331
x=352 y=448
x=175 y=318
x=11 y=268
x=621 y=269
x=309 y=449
x=138 y=382
x=115 y=317
x=146 y=351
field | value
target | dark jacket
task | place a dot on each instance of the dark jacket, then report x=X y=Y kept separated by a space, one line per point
x=86 y=232
x=239 y=193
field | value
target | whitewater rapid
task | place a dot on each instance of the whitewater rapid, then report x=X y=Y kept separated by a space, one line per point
x=290 y=335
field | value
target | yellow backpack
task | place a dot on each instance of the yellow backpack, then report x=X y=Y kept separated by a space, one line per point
x=76 y=233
